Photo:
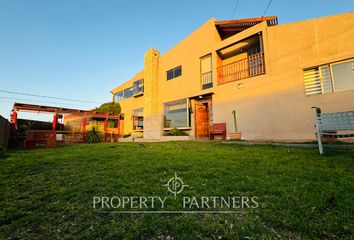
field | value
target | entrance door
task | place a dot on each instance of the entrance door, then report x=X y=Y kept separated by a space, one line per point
x=202 y=119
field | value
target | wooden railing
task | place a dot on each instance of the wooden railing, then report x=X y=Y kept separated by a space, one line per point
x=206 y=80
x=241 y=69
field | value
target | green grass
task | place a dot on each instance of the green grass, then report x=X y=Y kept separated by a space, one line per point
x=48 y=193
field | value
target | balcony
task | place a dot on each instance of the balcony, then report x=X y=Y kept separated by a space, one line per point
x=206 y=80
x=251 y=66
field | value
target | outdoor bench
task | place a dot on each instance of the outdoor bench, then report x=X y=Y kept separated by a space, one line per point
x=218 y=129
x=327 y=125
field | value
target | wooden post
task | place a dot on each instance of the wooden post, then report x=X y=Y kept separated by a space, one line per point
x=105 y=127
x=84 y=129
x=54 y=123
x=122 y=125
x=14 y=119
x=118 y=127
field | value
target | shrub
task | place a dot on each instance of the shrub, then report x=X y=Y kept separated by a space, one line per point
x=175 y=132
x=110 y=107
x=92 y=136
x=2 y=152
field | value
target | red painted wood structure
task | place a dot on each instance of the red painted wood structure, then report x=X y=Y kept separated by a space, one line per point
x=218 y=129
x=48 y=138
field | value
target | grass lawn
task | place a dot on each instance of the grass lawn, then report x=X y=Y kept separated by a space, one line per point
x=48 y=193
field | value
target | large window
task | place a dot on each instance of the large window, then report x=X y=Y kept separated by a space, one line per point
x=175 y=72
x=343 y=75
x=138 y=119
x=138 y=87
x=118 y=96
x=329 y=78
x=128 y=92
x=176 y=114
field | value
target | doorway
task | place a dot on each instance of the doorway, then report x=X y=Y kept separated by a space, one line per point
x=202 y=117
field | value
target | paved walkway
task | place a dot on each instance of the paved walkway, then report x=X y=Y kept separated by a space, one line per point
x=296 y=145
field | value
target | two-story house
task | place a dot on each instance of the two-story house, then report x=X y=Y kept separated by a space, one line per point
x=270 y=73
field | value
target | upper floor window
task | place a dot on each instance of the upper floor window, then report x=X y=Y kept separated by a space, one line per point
x=328 y=78
x=175 y=72
x=128 y=92
x=118 y=96
x=138 y=87
x=206 y=72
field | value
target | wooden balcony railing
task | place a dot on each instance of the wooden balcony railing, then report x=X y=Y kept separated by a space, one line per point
x=244 y=68
x=206 y=80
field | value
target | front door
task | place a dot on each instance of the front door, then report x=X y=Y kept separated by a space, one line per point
x=202 y=119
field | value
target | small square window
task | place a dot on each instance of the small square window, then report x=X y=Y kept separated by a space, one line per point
x=169 y=75
x=173 y=73
x=178 y=72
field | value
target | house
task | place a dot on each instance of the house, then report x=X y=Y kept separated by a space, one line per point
x=270 y=73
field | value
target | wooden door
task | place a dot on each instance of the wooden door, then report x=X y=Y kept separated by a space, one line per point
x=201 y=120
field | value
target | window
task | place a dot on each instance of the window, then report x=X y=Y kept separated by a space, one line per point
x=206 y=72
x=343 y=75
x=112 y=123
x=138 y=119
x=118 y=96
x=128 y=92
x=176 y=114
x=329 y=78
x=175 y=72
x=138 y=87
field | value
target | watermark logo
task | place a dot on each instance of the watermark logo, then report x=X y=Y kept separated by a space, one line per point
x=166 y=205
x=175 y=185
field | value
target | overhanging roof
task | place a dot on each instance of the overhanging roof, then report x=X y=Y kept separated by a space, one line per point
x=51 y=109
x=231 y=27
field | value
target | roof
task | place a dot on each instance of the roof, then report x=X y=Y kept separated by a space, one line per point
x=231 y=27
x=51 y=109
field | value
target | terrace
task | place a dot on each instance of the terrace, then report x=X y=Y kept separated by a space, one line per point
x=241 y=60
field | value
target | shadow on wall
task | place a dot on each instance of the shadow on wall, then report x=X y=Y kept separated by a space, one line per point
x=281 y=114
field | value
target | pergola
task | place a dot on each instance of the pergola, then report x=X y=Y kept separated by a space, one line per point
x=231 y=27
x=59 y=112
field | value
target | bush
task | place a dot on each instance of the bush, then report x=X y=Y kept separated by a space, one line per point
x=92 y=136
x=175 y=132
x=110 y=107
x=2 y=152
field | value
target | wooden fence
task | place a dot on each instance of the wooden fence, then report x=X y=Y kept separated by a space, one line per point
x=5 y=127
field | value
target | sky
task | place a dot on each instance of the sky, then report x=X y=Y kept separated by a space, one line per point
x=82 y=49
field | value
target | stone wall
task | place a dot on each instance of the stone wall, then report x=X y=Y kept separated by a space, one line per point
x=152 y=119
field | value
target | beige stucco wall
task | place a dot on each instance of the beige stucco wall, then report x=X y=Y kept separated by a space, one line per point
x=274 y=106
x=129 y=104
x=271 y=106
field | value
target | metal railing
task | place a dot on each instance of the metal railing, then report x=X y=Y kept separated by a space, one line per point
x=251 y=66
x=206 y=80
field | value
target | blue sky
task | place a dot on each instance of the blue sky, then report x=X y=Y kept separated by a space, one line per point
x=82 y=49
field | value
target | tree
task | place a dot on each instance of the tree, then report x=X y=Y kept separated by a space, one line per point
x=110 y=107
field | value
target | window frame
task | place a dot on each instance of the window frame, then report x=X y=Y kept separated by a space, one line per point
x=130 y=89
x=333 y=80
x=188 y=115
x=173 y=71
x=121 y=98
x=140 y=118
x=136 y=89
x=331 y=76
x=208 y=85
